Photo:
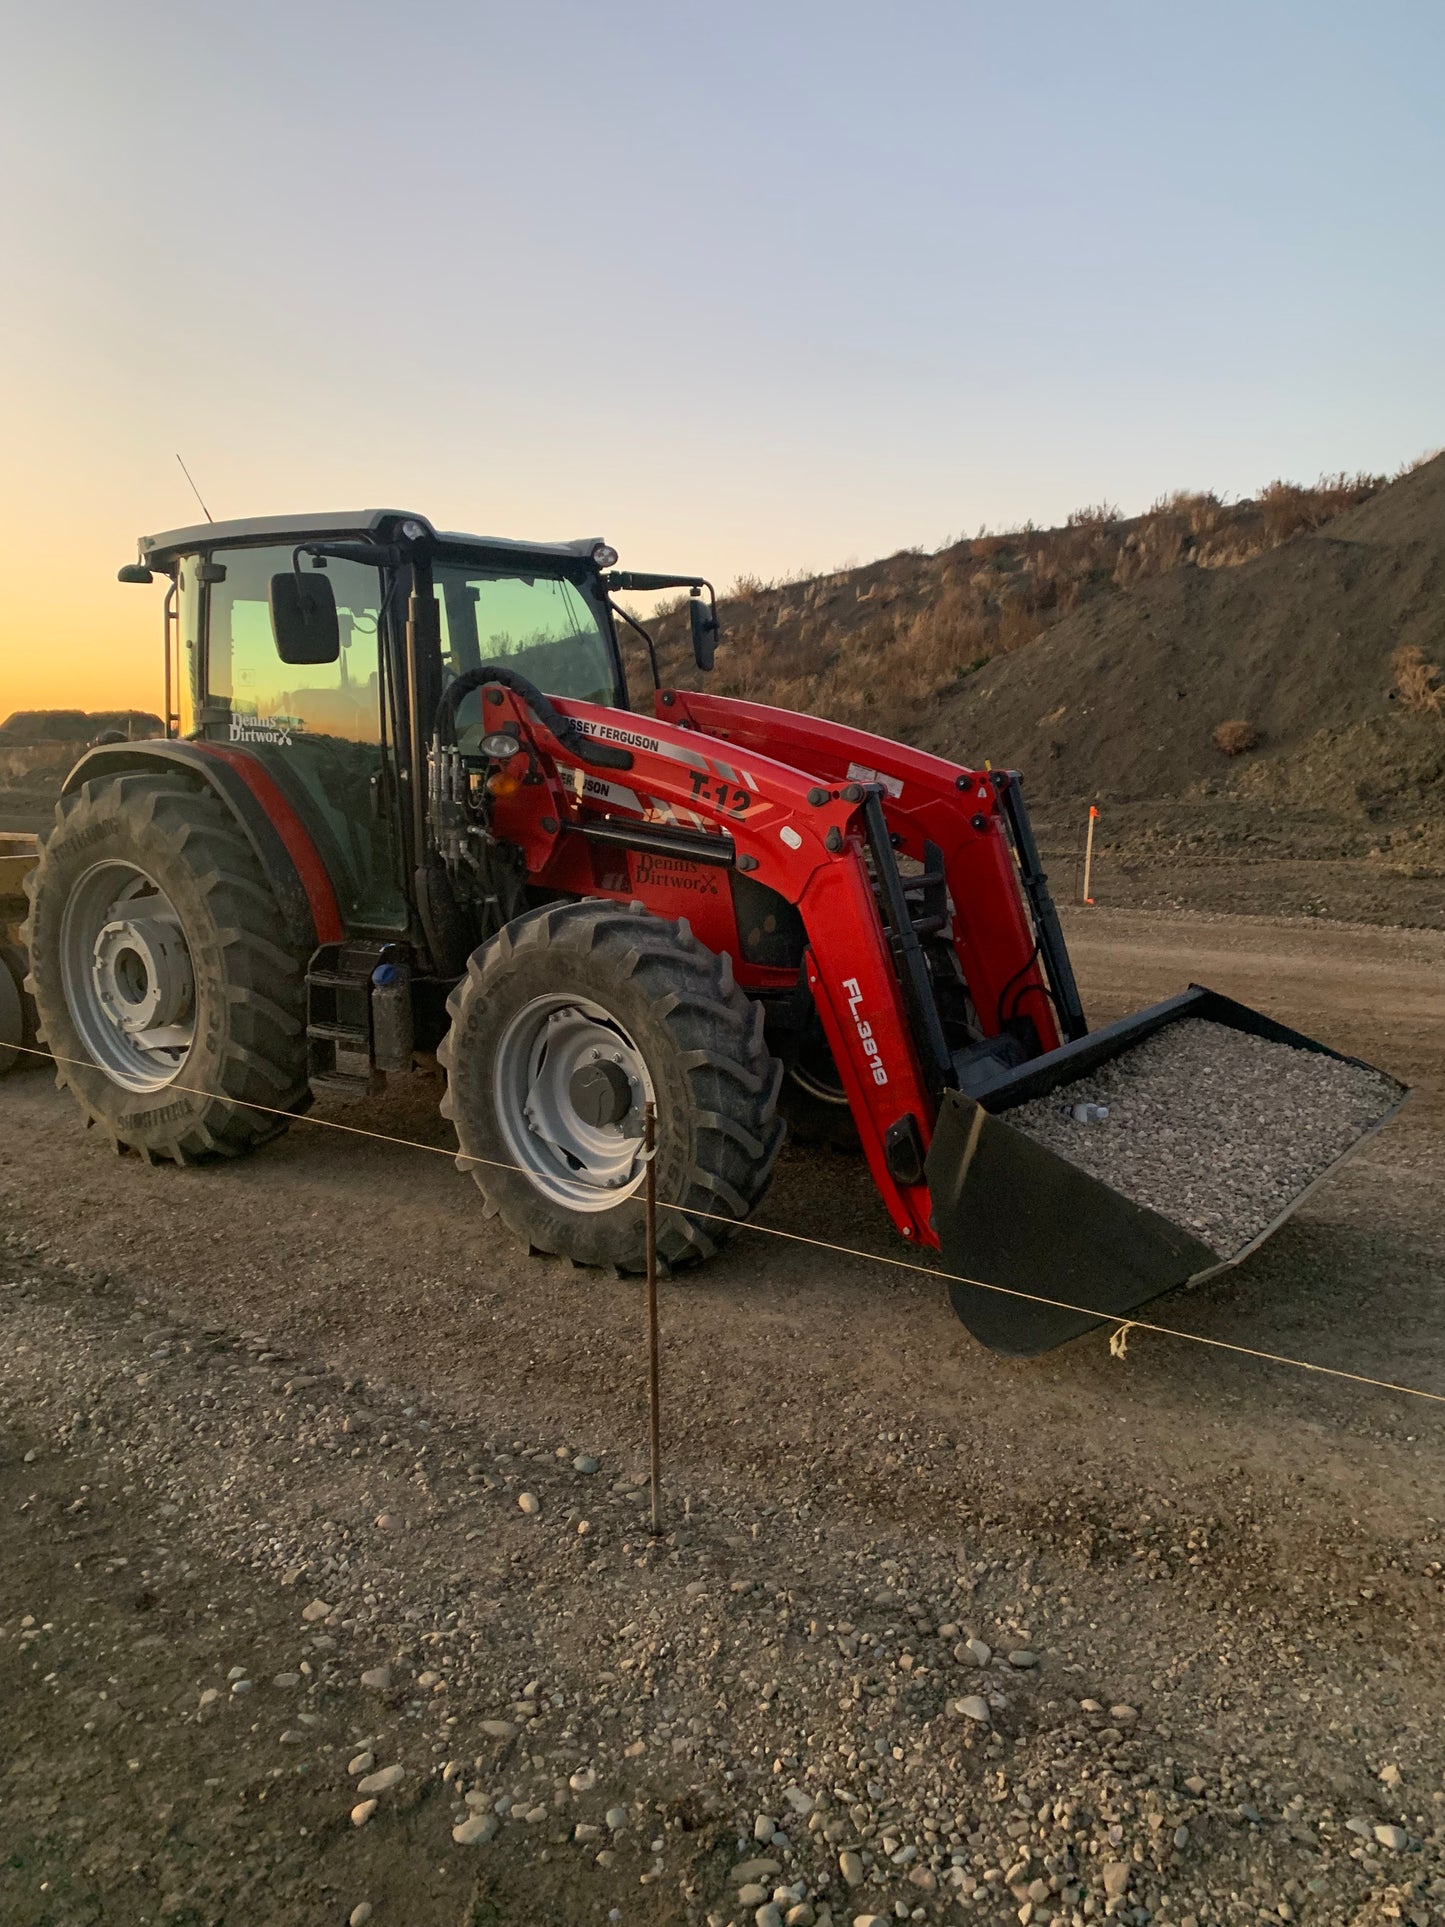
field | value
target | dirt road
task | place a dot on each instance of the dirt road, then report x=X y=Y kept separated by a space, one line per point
x=1246 y=1560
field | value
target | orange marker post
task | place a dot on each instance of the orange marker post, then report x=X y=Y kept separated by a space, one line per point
x=1089 y=852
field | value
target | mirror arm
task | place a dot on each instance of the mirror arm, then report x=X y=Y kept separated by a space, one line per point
x=630 y=579
x=372 y=555
x=633 y=623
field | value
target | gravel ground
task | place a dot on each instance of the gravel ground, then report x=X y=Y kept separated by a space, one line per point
x=278 y=1646
x=266 y=1433
x=1213 y=1128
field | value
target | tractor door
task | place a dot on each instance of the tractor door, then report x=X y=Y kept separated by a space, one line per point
x=319 y=728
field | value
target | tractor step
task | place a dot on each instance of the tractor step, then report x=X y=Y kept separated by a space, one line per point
x=340 y=1049
x=353 y=1036
x=343 y=1084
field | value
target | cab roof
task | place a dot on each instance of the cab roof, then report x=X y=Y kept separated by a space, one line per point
x=158 y=551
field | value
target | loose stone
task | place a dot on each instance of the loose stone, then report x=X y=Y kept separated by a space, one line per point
x=748 y=1870
x=382 y=1782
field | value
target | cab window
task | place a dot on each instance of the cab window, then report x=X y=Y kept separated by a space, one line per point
x=542 y=626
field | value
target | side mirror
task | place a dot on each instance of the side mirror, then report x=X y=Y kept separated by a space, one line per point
x=702 y=616
x=134 y=572
x=303 y=618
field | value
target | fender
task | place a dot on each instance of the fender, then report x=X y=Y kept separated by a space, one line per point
x=283 y=846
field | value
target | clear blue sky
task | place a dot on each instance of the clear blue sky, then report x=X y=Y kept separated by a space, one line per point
x=745 y=288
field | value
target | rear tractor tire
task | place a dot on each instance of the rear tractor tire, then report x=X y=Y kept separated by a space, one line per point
x=564 y=1026
x=163 y=981
x=17 y=1013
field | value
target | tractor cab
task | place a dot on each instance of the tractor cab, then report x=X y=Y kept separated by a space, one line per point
x=339 y=709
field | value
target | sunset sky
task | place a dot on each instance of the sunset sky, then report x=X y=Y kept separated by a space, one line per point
x=753 y=288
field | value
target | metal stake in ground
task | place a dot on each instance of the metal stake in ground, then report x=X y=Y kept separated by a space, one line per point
x=649 y=1143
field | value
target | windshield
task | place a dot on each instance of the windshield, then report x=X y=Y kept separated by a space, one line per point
x=542 y=626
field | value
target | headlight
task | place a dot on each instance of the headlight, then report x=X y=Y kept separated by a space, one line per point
x=604 y=555
x=500 y=745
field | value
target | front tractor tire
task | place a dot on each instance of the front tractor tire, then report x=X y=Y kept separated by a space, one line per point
x=565 y=1025
x=163 y=982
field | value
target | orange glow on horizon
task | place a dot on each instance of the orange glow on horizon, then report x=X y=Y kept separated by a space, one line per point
x=70 y=643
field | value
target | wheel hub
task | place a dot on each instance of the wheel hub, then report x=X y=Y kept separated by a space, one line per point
x=601 y=1092
x=570 y=1091
x=142 y=975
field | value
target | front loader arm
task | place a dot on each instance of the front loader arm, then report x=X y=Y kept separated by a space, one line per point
x=962 y=812
x=859 y=1002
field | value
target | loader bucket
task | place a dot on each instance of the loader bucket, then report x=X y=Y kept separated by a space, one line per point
x=1012 y=1213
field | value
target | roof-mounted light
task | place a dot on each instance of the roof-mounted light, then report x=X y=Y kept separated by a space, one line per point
x=413 y=531
x=603 y=554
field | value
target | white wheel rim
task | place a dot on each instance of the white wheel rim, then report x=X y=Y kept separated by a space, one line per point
x=126 y=972
x=572 y=1161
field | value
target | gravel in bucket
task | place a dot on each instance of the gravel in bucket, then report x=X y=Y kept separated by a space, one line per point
x=1213 y=1128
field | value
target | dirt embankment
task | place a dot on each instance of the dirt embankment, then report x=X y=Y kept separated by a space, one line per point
x=1122 y=699
x=39 y=746
x=1323 y=641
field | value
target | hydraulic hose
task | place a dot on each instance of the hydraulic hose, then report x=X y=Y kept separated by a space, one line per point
x=566 y=729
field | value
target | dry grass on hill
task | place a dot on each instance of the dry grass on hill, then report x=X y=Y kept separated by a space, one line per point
x=878 y=644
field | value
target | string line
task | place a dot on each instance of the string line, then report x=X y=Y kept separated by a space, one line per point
x=1124 y=1325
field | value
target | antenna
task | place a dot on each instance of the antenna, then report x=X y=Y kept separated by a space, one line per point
x=194 y=490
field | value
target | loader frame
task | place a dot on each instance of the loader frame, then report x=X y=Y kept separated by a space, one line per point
x=713 y=786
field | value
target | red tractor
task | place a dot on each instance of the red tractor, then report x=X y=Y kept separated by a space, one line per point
x=404 y=804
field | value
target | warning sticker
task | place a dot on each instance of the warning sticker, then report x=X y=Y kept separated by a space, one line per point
x=859 y=773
